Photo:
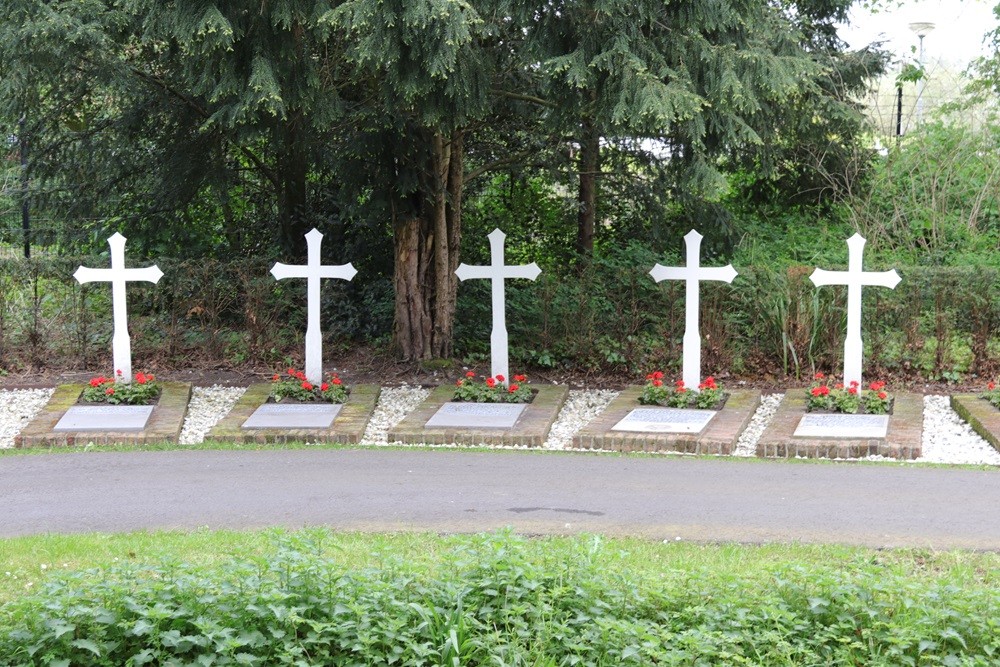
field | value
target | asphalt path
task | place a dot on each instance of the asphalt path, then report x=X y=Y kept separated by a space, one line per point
x=534 y=493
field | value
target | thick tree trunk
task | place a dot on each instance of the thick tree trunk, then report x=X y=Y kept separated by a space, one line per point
x=427 y=236
x=590 y=151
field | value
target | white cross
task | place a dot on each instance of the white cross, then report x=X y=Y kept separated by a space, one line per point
x=118 y=275
x=854 y=278
x=692 y=274
x=496 y=272
x=313 y=271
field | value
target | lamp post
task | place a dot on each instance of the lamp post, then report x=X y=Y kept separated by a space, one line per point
x=921 y=28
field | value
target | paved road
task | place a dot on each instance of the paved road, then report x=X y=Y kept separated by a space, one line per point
x=448 y=491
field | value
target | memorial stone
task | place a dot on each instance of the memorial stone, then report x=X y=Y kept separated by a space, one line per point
x=476 y=415
x=497 y=273
x=293 y=415
x=125 y=418
x=692 y=274
x=665 y=420
x=118 y=275
x=313 y=271
x=842 y=426
x=855 y=278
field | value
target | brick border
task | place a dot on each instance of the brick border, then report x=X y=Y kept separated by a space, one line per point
x=348 y=428
x=531 y=430
x=718 y=437
x=164 y=425
x=902 y=440
x=981 y=415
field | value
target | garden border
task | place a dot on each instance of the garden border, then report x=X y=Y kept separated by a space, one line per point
x=981 y=415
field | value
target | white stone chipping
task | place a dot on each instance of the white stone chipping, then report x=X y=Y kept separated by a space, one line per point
x=394 y=403
x=208 y=405
x=947 y=438
x=950 y=439
x=17 y=408
x=747 y=444
x=581 y=407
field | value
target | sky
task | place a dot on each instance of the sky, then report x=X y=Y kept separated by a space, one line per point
x=957 y=37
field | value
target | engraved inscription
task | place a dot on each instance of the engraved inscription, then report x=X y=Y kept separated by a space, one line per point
x=105 y=418
x=842 y=426
x=293 y=415
x=476 y=415
x=665 y=420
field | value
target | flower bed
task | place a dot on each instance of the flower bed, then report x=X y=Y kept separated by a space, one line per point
x=295 y=387
x=851 y=400
x=143 y=390
x=492 y=389
x=709 y=396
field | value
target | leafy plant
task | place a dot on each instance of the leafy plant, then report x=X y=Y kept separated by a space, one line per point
x=295 y=386
x=655 y=392
x=143 y=390
x=992 y=394
x=492 y=389
x=849 y=400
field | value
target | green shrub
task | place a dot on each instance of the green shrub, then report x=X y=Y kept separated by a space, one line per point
x=495 y=603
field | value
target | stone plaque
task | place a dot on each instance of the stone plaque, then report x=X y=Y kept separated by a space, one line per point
x=476 y=415
x=105 y=418
x=814 y=425
x=293 y=415
x=665 y=420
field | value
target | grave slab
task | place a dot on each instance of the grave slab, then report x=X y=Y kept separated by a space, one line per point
x=293 y=415
x=476 y=415
x=348 y=427
x=530 y=429
x=104 y=418
x=842 y=426
x=163 y=426
x=718 y=436
x=665 y=420
x=981 y=415
x=902 y=439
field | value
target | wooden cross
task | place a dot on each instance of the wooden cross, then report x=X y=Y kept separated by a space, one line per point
x=313 y=271
x=118 y=275
x=497 y=272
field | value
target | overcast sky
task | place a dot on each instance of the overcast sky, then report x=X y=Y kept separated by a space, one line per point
x=957 y=37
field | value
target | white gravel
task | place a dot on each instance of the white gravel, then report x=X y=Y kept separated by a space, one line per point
x=747 y=444
x=208 y=405
x=947 y=438
x=581 y=407
x=17 y=408
x=394 y=403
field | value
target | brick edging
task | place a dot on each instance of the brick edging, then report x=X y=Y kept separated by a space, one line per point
x=981 y=415
x=718 y=437
x=902 y=441
x=348 y=428
x=531 y=430
x=164 y=425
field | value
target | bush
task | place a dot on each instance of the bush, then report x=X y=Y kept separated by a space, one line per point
x=494 y=602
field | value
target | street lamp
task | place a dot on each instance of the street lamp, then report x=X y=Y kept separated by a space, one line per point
x=921 y=28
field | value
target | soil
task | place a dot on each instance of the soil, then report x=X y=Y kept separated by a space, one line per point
x=364 y=364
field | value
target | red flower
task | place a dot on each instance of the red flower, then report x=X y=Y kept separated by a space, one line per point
x=657 y=383
x=150 y=378
x=854 y=383
x=838 y=386
x=991 y=386
x=853 y=390
x=275 y=378
x=681 y=390
x=490 y=382
x=818 y=376
x=470 y=374
x=657 y=375
x=336 y=380
x=817 y=391
x=513 y=388
x=118 y=372
x=140 y=378
x=97 y=382
x=876 y=386
x=649 y=377
x=324 y=387
x=520 y=378
x=306 y=386
x=291 y=371
x=883 y=395
x=301 y=376
x=109 y=391
x=458 y=383
x=500 y=378
x=680 y=384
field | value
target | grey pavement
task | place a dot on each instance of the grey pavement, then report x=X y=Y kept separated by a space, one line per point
x=454 y=491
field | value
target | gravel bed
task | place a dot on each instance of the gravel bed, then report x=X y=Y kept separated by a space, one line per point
x=581 y=407
x=208 y=405
x=947 y=438
x=17 y=408
x=950 y=439
x=747 y=444
x=394 y=403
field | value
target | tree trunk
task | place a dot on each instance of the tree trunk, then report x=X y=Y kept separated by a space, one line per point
x=590 y=151
x=427 y=237
x=292 y=201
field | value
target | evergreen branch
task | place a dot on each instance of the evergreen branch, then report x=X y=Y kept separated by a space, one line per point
x=496 y=164
x=526 y=98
